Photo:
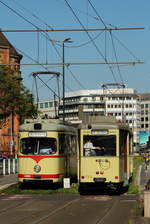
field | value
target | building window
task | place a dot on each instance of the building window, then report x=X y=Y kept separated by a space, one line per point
x=50 y=104
x=41 y=105
x=46 y=105
x=85 y=99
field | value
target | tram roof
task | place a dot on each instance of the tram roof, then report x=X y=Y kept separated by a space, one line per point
x=96 y=122
x=46 y=125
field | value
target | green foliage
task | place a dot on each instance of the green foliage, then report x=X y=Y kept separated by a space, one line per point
x=133 y=187
x=14 y=96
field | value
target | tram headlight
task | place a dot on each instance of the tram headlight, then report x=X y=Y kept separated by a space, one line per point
x=37 y=168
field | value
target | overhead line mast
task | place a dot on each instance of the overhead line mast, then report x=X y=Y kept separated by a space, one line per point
x=89 y=29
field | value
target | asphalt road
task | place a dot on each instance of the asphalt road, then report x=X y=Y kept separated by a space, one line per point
x=68 y=209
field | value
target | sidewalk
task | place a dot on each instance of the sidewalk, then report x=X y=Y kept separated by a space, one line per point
x=8 y=180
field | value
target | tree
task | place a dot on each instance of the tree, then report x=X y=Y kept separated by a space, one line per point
x=15 y=98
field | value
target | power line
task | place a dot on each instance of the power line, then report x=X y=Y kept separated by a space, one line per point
x=37 y=28
x=93 y=42
x=121 y=78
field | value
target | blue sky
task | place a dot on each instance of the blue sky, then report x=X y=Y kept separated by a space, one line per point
x=132 y=45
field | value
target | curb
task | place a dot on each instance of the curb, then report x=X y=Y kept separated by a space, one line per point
x=6 y=186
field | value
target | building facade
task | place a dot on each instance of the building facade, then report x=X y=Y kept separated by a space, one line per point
x=48 y=108
x=144 y=100
x=10 y=126
x=122 y=103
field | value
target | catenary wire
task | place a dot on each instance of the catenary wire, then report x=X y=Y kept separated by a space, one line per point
x=121 y=78
x=18 y=14
x=48 y=38
x=93 y=42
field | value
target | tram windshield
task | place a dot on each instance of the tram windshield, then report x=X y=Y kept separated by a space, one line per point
x=99 y=145
x=38 y=146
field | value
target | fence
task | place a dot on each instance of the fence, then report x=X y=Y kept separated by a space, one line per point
x=8 y=166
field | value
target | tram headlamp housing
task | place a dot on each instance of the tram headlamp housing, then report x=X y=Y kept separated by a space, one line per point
x=37 y=168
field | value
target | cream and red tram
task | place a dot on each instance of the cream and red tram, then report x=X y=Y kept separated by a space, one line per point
x=105 y=160
x=48 y=151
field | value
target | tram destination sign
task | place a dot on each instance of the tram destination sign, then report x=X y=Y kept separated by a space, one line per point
x=37 y=134
x=99 y=132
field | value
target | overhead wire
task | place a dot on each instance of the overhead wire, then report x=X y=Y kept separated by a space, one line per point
x=129 y=51
x=113 y=45
x=47 y=37
x=93 y=42
x=42 y=33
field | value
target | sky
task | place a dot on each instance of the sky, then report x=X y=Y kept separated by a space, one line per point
x=85 y=46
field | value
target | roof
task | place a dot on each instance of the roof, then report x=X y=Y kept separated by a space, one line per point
x=5 y=43
x=102 y=122
x=47 y=125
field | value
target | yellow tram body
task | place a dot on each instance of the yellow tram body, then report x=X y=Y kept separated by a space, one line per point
x=110 y=162
x=51 y=166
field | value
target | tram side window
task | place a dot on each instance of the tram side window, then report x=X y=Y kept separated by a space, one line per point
x=62 y=144
x=36 y=146
x=73 y=144
x=99 y=145
x=123 y=142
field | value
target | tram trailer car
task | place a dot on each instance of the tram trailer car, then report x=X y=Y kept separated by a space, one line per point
x=48 y=151
x=105 y=154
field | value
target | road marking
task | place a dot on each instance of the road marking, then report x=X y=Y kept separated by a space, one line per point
x=16 y=197
x=100 y=198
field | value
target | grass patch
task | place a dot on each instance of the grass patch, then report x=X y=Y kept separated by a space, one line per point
x=15 y=189
x=133 y=187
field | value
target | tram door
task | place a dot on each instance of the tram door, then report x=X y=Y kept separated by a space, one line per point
x=123 y=153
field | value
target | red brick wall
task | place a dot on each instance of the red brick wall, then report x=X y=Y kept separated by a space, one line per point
x=7 y=128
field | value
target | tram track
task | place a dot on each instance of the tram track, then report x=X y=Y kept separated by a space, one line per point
x=56 y=212
x=66 y=209
x=108 y=212
x=19 y=205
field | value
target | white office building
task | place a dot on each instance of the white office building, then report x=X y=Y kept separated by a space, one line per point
x=121 y=103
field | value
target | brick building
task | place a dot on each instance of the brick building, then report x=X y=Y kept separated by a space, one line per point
x=9 y=128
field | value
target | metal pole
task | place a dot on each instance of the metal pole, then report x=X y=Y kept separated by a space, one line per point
x=63 y=57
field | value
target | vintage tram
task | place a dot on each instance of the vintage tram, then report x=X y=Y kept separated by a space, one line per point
x=105 y=153
x=48 y=151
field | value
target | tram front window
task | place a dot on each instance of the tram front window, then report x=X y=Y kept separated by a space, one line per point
x=38 y=146
x=99 y=145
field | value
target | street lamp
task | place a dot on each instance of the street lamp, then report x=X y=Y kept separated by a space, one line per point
x=67 y=40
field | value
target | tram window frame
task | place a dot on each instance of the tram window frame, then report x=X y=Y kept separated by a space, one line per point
x=102 y=141
x=32 y=146
x=67 y=144
x=61 y=144
x=123 y=142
